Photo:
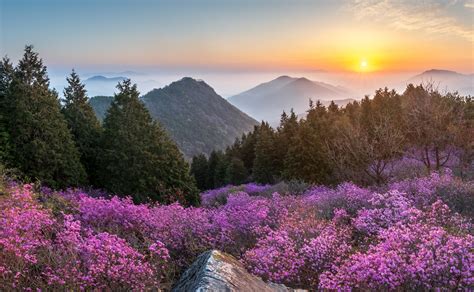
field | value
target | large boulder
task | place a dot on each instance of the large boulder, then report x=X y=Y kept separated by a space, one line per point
x=217 y=271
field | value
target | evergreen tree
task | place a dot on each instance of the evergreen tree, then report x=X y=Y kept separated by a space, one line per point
x=285 y=134
x=247 y=149
x=236 y=173
x=83 y=123
x=41 y=144
x=217 y=169
x=6 y=75
x=265 y=155
x=138 y=158
x=200 y=170
x=214 y=161
x=307 y=158
x=220 y=175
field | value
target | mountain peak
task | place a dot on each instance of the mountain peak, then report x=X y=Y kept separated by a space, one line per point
x=283 y=77
x=439 y=71
x=266 y=101
x=303 y=80
x=197 y=118
x=189 y=82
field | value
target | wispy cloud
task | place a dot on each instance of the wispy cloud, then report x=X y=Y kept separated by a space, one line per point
x=469 y=4
x=428 y=15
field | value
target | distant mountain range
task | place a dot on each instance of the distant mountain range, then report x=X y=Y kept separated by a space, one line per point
x=100 y=78
x=446 y=80
x=200 y=120
x=196 y=117
x=268 y=100
x=101 y=85
x=105 y=86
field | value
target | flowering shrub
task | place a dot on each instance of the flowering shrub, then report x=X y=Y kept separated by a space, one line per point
x=346 y=196
x=101 y=261
x=409 y=257
x=414 y=234
x=40 y=250
x=24 y=229
x=384 y=211
x=218 y=197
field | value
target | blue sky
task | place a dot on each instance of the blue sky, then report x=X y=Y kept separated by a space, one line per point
x=231 y=35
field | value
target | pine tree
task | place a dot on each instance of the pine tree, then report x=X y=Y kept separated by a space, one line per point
x=307 y=159
x=265 y=155
x=200 y=170
x=83 y=124
x=220 y=175
x=247 y=149
x=236 y=173
x=138 y=158
x=217 y=168
x=41 y=144
x=285 y=134
x=6 y=75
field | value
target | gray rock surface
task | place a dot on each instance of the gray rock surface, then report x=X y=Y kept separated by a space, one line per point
x=217 y=271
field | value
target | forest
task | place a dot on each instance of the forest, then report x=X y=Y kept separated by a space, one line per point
x=379 y=139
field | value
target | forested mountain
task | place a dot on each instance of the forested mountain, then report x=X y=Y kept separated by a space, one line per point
x=196 y=117
x=267 y=100
x=101 y=104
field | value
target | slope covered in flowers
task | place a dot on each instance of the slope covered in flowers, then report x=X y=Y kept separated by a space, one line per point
x=413 y=234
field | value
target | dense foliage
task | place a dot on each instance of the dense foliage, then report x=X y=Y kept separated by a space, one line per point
x=367 y=142
x=84 y=125
x=414 y=234
x=137 y=156
x=62 y=144
x=40 y=144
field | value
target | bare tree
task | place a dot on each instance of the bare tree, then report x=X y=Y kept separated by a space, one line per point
x=434 y=124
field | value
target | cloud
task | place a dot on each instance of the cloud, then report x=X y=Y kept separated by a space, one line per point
x=430 y=16
x=469 y=4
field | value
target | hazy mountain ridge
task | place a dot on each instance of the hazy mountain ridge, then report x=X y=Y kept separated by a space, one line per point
x=100 y=78
x=102 y=85
x=446 y=80
x=267 y=100
x=196 y=117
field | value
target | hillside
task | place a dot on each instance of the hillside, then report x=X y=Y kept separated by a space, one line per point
x=197 y=118
x=267 y=100
x=101 y=104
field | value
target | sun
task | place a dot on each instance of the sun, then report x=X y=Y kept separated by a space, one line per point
x=364 y=65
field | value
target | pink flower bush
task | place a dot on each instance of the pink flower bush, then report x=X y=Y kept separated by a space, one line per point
x=38 y=250
x=275 y=258
x=410 y=256
x=384 y=211
x=100 y=261
x=24 y=230
x=416 y=234
x=346 y=196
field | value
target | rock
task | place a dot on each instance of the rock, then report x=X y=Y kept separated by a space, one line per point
x=217 y=271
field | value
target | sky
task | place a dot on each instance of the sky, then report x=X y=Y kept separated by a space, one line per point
x=336 y=37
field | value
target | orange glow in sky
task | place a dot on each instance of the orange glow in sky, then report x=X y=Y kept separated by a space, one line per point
x=333 y=36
